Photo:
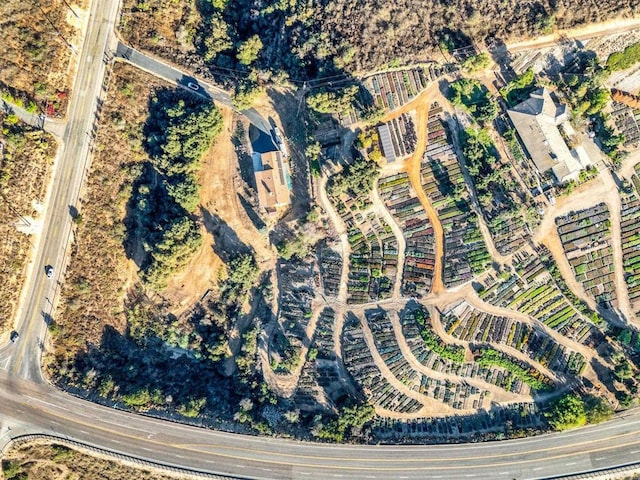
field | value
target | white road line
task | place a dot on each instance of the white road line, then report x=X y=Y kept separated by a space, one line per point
x=600 y=458
x=635 y=451
x=503 y=473
x=267 y=470
x=180 y=456
x=147 y=449
x=240 y=466
x=570 y=463
x=537 y=468
x=304 y=473
x=209 y=461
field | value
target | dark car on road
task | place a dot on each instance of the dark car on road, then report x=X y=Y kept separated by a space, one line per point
x=14 y=336
x=48 y=270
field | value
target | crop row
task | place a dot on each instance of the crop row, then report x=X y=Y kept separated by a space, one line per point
x=361 y=365
x=586 y=239
x=415 y=321
x=330 y=271
x=401 y=200
x=471 y=325
x=630 y=232
x=531 y=290
x=465 y=253
x=517 y=416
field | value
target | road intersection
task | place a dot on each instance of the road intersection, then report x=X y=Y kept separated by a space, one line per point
x=31 y=406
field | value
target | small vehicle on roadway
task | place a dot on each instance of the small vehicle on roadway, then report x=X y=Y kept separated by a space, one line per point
x=14 y=336
x=48 y=270
x=193 y=86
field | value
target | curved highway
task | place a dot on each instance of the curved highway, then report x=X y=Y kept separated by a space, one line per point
x=29 y=405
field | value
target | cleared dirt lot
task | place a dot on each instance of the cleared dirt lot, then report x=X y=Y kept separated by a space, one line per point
x=36 y=57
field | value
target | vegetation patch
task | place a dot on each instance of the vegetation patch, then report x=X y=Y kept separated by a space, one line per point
x=26 y=155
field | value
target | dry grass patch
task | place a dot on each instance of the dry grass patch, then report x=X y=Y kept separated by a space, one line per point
x=35 y=61
x=42 y=461
x=25 y=166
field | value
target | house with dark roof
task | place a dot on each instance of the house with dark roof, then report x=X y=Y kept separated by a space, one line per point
x=539 y=121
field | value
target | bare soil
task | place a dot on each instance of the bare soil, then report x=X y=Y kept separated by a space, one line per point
x=25 y=170
x=36 y=58
x=43 y=461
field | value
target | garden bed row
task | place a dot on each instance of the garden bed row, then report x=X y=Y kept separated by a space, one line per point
x=465 y=253
x=531 y=290
x=403 y=204
x=630 y=232
x=586 y=239
x=466 y=323
x=360 y=364
x=391 y=90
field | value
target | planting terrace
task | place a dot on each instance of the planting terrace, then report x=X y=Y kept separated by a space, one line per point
x=465 y=253
x=630 y=233
x=429 y=349
x=322 y=378
x=296 y=292
x=390 y=90
x=586 y=239
x=456 y=394
x=374 y=251
x=401 y=200
x=531 y=290
x=481 y=328
x=361 y=365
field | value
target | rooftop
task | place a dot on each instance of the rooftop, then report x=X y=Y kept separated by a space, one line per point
x=537 y=121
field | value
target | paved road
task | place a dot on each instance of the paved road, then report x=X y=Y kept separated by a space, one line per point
x=40 y=408
x=40 y=292
x=53 y=126
x=29 y=405
x=177 y=76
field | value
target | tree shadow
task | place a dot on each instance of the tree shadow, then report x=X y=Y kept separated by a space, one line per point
x=227 y=245
x=251 y=213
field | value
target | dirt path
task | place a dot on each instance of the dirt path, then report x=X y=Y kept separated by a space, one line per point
x=341 y=230
x=413 y=170
x=600 y=189
x=380 y=209
x=432 y=407
x=497 y=394
x=579 y=33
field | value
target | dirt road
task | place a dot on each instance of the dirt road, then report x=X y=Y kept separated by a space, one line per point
x=579 y=33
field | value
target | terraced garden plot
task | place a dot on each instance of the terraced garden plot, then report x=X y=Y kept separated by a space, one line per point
x=296 y=290
x=320 y=380
x=499 y=194
x=586 y=239
x=360 y=364
x=471 y=325
x=330 y=270
x=531 y=290
x=401 y=200
x=374 y=255
x=465 y=253
x=455 y=394
x=398 y=137
x=627 y=122
x=391 y=90
x=630 y=233
x=431 y=352
x=519 y=416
